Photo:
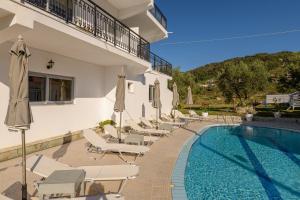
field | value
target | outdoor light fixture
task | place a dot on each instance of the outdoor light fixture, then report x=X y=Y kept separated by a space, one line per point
x=50 y=64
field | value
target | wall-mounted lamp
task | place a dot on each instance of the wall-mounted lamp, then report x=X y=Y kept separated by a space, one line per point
x=50 y=64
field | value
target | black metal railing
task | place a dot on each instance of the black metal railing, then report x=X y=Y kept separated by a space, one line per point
x=160 y=65
x=156 y=12
x=88 y=16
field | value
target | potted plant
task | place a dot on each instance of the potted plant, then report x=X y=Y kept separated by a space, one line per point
x=249 y=114
x=205 y=110
x=249 y=117
x=277 y=113
x=105 y=122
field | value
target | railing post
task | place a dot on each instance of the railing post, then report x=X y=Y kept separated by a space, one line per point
x=48 y=6
x=115 y=33
x=67 y=11
x=140 y=48
x=95 y=20
x=129 y=36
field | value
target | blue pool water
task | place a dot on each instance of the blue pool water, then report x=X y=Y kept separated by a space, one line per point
x=242 y=162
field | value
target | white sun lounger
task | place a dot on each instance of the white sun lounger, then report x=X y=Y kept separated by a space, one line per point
x=194 y=114
x=44 y=166
x=166 y=117
x=98 y=197
x=98 y=144
x=147 y=123
x=161 y=126
x=169 y=122
x=141 y=130
x=179 y=115
x=112 y=131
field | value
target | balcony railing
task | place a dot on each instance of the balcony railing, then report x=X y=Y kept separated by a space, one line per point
x=160 y=65
x=156 y=12
x=91 y=18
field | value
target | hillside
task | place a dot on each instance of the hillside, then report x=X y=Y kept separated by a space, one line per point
x=277 y=64
x=203 y=79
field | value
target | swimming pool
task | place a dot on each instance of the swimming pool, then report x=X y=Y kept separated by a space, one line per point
x=240 y=162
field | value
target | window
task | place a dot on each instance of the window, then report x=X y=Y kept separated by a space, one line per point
x=46 y=88
x=60 y=89
x=151 y=92
x=37 y=88
x=130 y=87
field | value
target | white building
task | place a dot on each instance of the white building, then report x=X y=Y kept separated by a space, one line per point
x=78 y=48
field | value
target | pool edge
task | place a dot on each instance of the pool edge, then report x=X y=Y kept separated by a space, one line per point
x=178 y=189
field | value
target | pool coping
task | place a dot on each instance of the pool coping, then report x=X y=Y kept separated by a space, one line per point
x=178 y=187
x=265 y=126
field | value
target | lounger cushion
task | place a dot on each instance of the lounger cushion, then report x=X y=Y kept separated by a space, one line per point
x=137 y=128
x=110 y=172
x=112 y=131
x=44 y=166
x=100 y=143
x=98 y=197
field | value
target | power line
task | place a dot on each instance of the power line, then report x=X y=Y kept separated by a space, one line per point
x=234 y=37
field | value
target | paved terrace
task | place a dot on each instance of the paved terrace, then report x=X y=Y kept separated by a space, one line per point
x=153 y=183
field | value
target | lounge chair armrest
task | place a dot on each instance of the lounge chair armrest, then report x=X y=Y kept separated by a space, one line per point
x=37 y=183
x=132 y=177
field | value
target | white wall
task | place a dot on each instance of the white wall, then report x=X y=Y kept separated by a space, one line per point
x=94 y=96
x=52 y=120
x=165 y=93
x=140 y=96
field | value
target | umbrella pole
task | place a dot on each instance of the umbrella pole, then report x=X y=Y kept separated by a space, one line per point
x=174 y=114
x=24 y=185
x=156 y=118
x=120 y=127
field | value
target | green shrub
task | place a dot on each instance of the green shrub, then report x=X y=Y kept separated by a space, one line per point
x=106 y=122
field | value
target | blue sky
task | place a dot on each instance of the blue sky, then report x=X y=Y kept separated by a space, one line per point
x=192 y=20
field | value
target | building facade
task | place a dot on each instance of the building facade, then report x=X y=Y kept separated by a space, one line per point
x=78 y=48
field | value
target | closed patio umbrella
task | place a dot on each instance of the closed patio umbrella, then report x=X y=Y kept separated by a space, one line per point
x=63 y=92
x=156 y=100
x=189 y=98
x=120 y=99
x=175 y=101
x=19 y=116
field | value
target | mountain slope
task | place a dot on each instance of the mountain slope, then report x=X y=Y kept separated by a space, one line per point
x=204 y=78
x=276 y=64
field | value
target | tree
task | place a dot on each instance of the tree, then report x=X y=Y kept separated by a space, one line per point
x=183 y=80
x=291 y=81
x=242 y=81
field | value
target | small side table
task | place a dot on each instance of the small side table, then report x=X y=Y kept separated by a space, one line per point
x=66 y=182
x=134 y=139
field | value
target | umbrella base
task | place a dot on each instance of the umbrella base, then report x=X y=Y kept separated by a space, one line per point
x=24 y=192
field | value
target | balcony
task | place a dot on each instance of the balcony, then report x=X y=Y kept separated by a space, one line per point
x=159 y=16
x=160 y=65
x=88 y=16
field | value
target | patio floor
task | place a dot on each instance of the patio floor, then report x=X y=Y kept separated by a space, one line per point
x=153 y=182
